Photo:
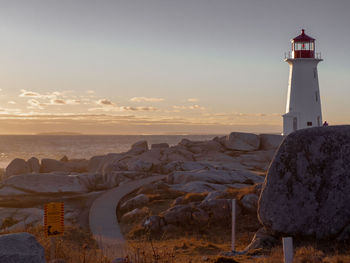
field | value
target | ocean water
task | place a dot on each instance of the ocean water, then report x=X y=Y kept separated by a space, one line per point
x=77 y=146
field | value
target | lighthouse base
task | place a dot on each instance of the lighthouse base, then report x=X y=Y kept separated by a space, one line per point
x=290 y=122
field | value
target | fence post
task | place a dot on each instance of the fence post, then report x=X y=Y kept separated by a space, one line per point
x=233 y=224
x=288 y=249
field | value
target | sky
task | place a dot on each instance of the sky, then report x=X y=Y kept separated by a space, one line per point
x=163 y=66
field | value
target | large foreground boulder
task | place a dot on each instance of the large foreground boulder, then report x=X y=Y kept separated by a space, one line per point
x=21 y=248
x=306 y=192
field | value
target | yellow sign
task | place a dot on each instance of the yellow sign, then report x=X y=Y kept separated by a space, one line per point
x=54 y=219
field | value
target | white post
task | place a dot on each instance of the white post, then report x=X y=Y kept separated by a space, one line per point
x=233 y=224
x=288 y=249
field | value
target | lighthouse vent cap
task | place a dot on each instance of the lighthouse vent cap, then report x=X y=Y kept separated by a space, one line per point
x=303 y=37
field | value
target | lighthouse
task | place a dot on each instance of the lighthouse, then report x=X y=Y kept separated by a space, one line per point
x=303 y=109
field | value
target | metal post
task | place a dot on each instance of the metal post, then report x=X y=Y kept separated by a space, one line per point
x=288 y=249
x=233 y=224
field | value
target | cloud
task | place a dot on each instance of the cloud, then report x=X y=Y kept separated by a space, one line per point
x=32 y=94
x=90 y=92
x=192 y=100
x=34 y=104
x=128 y=108
x=196 y=107
x=146 y=99
x=105 y=102
x=26 y=93
x=4 y=111
x=12 y=102
x=73 y=101
x=114 y=108
x=191 y=107
x=57 y=102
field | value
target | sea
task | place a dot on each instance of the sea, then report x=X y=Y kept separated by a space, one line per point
x=77 y=146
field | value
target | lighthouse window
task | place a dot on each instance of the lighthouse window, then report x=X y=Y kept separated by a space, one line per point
x=309 y=123
x=311 y=46
x=304 y=46
x=316 y=95
x=315 y=73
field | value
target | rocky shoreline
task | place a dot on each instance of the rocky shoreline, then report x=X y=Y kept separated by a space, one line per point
x=212 y=167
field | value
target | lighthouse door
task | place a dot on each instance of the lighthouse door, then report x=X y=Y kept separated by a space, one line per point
x=295 y=124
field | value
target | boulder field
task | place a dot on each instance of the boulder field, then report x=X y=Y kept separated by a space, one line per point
x=236 y=161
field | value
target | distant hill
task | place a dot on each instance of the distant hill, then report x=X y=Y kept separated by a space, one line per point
x=59 y=133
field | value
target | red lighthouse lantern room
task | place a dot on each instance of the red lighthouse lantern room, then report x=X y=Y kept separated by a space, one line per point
x=303 y=46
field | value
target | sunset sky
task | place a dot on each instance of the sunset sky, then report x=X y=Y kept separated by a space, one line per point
x=163 y=66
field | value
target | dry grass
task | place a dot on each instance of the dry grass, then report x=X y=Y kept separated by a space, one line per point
x=164 y=195
x=307 y=254
x=78 y=246
x=193 y=197
x=238 y=193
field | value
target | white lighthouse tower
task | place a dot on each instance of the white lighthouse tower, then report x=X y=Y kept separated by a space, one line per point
x=303 y=108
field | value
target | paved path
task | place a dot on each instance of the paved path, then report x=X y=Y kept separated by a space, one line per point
x=103 y=220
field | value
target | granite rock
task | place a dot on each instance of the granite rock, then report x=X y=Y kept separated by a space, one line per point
x=306 y=192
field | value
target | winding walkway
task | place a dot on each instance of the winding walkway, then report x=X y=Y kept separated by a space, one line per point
x=103 y=220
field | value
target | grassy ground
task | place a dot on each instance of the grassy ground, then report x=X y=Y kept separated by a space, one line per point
x=77 y=245
x=188 y=245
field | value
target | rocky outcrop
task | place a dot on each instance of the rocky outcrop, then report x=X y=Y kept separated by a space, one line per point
x=202 y=167
x=270 y=141
x=214 y=176
x=191 y=216
x=139 y=165
x=135 y=215
x=250 y=202
x=52 y=165
x=16 y=167
x=139 y=147
x=45 y=183
x=237 y=151
x=34 y=165
x=95 y=163
x=306 y=192
x=240 y=141
x=159 y=145
x=136 y=202
x=201 y=146
x=21 y=248
x=19 y=217
x=75 y=165
x=262 y=239
x=198 y=187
